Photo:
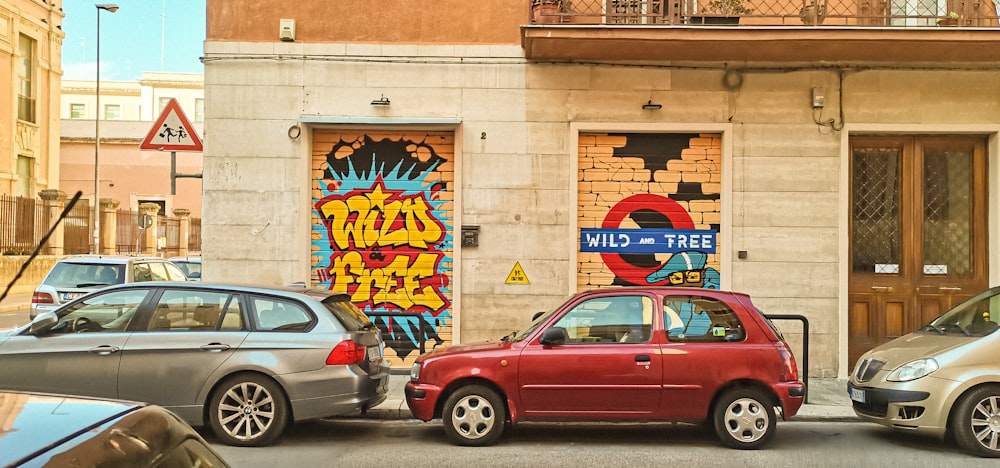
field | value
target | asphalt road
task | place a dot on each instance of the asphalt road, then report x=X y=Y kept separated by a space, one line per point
x=413 y=444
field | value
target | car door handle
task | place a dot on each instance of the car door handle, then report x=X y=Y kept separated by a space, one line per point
x=642 y=359
x=104 y=350
x=215 y=347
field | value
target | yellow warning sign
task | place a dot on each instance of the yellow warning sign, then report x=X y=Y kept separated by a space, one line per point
x=517 y=275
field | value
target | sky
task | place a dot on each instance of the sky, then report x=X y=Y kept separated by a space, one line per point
x=142 y=36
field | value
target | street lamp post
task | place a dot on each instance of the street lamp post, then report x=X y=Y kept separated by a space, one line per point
x=110 y=7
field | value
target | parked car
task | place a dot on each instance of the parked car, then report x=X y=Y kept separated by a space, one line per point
x=191 y=266
x=943 y=379
x=626 y=354
x=246 y=361
x=58 y=430
x=72 y=277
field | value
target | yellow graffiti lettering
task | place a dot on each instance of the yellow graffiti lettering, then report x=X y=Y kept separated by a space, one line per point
x=397 y=283
x=369 y=220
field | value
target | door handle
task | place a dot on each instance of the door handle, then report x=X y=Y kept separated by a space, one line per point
x=104 y=350
x=643 y=360
x=214 y=347
x=949 y=288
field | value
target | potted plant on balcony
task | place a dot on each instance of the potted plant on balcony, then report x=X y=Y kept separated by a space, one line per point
x=951 y=19
x=547 y=11
x=722 y=12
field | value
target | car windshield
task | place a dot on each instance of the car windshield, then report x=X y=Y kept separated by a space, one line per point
x=977 y=316
x=539 y=318
x=84 y=275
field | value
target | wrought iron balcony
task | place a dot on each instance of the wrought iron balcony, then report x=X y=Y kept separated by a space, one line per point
x=849 y=13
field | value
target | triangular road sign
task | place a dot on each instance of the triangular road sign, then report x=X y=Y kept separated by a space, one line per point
x=172 y=132
x=517 y=275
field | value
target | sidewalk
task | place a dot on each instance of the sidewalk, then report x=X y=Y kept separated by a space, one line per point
x=15 y=302
x=826 y=401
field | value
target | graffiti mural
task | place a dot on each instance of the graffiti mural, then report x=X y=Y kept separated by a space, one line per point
x=382 y=222
x=649 y=210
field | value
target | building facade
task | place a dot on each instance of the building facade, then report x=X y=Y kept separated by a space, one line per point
x=475 y=168
x=128 y=174
x=31 y=40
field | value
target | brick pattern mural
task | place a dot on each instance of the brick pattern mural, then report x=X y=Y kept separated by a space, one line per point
x=382 y=211
x=649 y=209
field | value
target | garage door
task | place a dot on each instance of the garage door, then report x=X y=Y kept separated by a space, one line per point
x=382 y=220
x=649 y=209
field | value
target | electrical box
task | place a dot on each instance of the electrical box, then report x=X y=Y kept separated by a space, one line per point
x=818 y=98
x=286 y=30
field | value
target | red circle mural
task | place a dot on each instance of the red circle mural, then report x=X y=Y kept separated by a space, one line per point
x=673 y=211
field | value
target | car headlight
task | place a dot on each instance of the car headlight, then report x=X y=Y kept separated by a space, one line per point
x=415 y=372
x=913 y=370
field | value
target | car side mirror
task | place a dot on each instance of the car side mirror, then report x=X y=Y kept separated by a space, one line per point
x=537 y=314
x=43 y=323
x=554 y=336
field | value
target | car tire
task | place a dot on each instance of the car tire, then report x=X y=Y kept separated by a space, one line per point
x=474 y=415
x=744 y=418
x=975 y=421
x=248 y=410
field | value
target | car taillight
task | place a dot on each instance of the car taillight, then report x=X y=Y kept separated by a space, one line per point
x=346 y=352
x=788 y=361
x=42 y=298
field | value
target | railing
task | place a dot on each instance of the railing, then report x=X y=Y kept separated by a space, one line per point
x=23 y=222
x=856 y=13
x=804 y=371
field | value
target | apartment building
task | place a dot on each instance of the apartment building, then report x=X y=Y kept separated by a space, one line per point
x=833 y=159
x=31 y=39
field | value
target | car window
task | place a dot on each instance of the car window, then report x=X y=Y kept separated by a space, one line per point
x=977 y=316
x=347 y=313
x=280 y=315
x=141 y=272
x=158 y=271
x=173 y=272
x=191 y=269
x=82 y=275
x=617 y=319
x=697 y=318
x=185 y=310
x=108 y=312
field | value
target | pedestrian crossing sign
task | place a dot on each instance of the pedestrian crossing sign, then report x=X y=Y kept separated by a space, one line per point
x=172 y=132
x=517 y=275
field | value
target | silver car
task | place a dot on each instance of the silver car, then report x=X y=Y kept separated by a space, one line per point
x=943 y=379
x=246 y=361
x=72 y=277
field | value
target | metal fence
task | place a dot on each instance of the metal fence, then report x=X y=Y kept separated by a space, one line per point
x=859 y=13
x=24 y=221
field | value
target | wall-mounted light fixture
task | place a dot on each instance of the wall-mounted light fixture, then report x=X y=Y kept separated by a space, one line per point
x=649 y=105
x=382 y=101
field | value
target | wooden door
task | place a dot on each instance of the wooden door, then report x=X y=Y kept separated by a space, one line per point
x=918 y=233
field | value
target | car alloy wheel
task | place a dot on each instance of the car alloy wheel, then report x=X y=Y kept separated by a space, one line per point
x=474 y=416
x=248 y=410
x=744 y=418
x=976 y=421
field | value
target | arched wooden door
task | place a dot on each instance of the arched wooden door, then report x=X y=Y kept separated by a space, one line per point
x=918 y=233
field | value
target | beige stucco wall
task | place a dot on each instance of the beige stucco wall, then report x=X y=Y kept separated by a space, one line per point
x=784 y=176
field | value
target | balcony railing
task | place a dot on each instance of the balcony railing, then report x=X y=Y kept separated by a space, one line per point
x=851 y=13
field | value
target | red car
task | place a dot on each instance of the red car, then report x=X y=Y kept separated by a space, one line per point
x=621 y=354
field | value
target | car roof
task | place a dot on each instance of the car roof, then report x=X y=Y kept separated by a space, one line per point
x=287 y=291
x=107 y=259
x=38 y=421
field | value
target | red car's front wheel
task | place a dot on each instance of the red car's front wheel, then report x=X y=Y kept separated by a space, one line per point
x=474 y=415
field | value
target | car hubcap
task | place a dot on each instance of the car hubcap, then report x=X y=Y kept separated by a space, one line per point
x=246 y=411
x=473 y=417
x=746 y=420
x=986 y=423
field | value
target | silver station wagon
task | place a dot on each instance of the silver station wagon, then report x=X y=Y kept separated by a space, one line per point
x=246 y=361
